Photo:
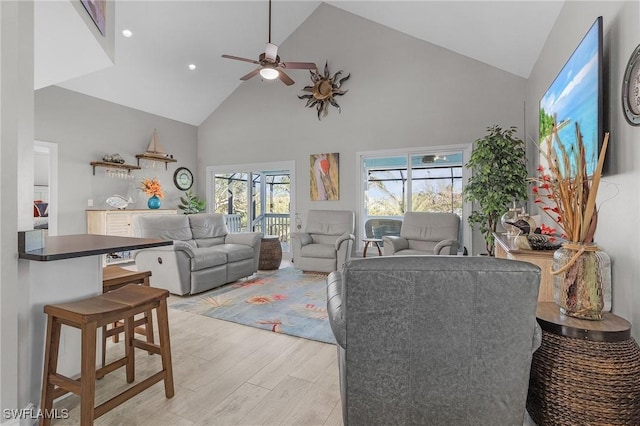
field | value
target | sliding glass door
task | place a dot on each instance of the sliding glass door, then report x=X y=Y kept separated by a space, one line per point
x=254 y=200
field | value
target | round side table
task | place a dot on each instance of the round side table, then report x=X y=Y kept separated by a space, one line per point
x=584 y=372
x=270 y=253
x=374 y=241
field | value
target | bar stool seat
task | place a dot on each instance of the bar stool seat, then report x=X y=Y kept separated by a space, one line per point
x=88 y=315
x=113 y=278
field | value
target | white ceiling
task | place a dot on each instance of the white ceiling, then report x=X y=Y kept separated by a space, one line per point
x=151 y=74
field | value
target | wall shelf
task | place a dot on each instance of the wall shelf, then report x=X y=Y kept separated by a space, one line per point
x=127 y=167
x=165 y=160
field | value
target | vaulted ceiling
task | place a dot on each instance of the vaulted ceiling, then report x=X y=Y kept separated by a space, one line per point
x=151 y=68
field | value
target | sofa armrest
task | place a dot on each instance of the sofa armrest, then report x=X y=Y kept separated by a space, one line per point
x=303 y=237
x=344 y=238
x=247 y=238
x=446 y=247
x=184 y=247
x=537 y=338
x=334 y=307
x=392 y=244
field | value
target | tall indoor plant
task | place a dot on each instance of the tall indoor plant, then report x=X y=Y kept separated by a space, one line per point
x=499 y=166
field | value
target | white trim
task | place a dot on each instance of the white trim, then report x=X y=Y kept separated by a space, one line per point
x=52 y=149
x=288 y=166
x=467 y=236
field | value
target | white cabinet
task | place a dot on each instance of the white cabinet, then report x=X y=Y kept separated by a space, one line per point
x=117 y=223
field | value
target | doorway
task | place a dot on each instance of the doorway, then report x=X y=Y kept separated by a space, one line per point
x=45 y=185
x=254 y=197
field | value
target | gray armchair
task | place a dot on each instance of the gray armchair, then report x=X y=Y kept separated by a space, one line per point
x=327 y=242
x=434 y=340
x=425 y=233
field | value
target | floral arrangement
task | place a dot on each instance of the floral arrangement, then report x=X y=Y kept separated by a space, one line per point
x=565 y=192
x=152 y=186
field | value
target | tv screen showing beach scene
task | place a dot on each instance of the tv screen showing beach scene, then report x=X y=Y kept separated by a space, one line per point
x=575 y=96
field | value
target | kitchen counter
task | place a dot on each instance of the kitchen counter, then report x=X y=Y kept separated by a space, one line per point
x=81 y=245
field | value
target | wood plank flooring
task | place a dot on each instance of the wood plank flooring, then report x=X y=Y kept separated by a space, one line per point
x=226 y=374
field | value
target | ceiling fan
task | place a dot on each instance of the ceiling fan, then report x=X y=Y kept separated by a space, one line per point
x=270 y=66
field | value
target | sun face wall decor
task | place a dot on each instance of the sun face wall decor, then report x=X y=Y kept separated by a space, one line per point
x=324 y=90
x=324 y=177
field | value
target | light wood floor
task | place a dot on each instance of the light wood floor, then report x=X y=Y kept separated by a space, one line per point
x=226 y=374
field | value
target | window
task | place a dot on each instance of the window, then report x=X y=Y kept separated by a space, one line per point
x=428 y=179
x=430 y=183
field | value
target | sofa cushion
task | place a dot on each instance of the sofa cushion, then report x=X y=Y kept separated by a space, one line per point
x=210 y=242
x=330 y=222
x=234 y=252
x=207 y=225
x=164 y=227
x=327 y=251
x=206 y=258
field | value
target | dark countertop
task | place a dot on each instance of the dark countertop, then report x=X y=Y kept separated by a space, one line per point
x=82 y=245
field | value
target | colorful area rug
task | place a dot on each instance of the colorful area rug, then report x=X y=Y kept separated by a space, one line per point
x=283 y=301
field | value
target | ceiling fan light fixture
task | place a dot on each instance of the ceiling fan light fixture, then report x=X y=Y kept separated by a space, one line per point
x=269 y=73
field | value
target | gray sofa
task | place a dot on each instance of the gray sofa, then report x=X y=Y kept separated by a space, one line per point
x=434 y=340
x=204 y=254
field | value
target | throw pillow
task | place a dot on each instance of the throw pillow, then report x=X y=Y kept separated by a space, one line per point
x=42 y=209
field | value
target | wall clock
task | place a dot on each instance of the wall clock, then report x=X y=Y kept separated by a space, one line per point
x=631 y=89
x=183 y=178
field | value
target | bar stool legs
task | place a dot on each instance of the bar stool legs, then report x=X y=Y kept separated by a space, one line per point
x=88 y=315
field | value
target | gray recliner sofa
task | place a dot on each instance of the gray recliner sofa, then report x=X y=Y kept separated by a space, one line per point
x=434 y=340
x=204 y=254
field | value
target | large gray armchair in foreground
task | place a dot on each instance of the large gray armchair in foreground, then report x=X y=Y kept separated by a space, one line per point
x=327 y=241
x=434 y=340
x=425 y=233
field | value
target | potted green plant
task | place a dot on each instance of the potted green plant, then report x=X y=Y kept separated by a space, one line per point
x=191 y=203
x=499 y=166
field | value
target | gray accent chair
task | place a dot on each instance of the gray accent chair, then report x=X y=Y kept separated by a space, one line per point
x=327 y=242
x=434 y=340
x=425 y=233
x=204 y=254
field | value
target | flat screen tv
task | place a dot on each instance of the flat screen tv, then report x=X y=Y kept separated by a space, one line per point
x=576 y=96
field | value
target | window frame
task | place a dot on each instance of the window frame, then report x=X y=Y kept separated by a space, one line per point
x=361 y=183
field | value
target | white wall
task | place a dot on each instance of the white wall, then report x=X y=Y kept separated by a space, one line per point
x=618 y=232
x=16 y=191
x=403 y=92
x=87 y=128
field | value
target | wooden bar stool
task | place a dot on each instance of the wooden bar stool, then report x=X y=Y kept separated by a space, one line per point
x=88 y=315
x=114 y=277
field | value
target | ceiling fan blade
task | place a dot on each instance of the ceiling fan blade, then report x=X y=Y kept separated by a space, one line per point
x=271 y=51
x=285 y=78
x=299 y=65
x=237 y=58
x=251 y=74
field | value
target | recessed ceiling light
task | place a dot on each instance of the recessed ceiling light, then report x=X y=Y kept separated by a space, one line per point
x=127 y=33
x=192 y=67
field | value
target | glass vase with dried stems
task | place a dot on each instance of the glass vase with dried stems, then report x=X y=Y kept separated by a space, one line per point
x=567 y=195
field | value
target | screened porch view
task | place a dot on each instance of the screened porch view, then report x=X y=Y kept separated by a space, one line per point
x=255 y=202
x=412 y=182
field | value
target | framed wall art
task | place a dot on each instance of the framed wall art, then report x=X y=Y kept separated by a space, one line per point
x=96 y=9
x=324 y=172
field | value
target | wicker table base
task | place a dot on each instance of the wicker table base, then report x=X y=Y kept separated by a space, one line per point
x=589 y=380
x=270 y=253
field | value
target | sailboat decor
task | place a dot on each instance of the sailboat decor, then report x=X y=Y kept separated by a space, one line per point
x=155 y=152
x=155 y=149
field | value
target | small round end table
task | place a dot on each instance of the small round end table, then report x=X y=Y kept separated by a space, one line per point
x=375 y=241
x=270 y=253
x=584 y=372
